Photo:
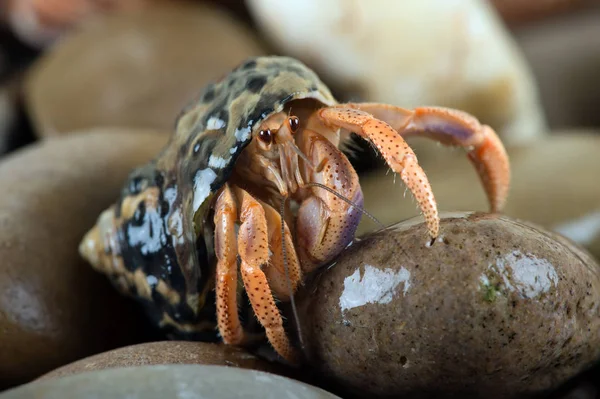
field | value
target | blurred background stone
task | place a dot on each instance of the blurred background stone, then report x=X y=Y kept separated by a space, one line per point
x=54 y=308
x=495 y=308
x=172 y=381
x=518 y=12
x=134 y=69
x=564 y=55
x=169 y=352
x=411 y=53
x=14 y=57
x=40 y=23
x=8 y=116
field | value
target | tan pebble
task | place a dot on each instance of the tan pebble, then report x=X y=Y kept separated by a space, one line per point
x=54 y=308
x=135 y=69
x=168 y=352
x=496 y=308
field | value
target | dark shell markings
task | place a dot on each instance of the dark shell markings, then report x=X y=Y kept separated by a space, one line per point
x=158 y=237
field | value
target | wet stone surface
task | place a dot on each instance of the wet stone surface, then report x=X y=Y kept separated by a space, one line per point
x=495 y=308
x=168 y=352
x=172 y=381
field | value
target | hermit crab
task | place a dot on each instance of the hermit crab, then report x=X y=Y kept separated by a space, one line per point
x=253 y=183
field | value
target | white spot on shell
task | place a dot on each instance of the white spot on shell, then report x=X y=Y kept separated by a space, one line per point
x=152 y=281
x=175 y=223
x=218 y=162
x=242 y=134
x=150 y=235
x=375 y=286
x=233 y=150
x=214 y=123
x=202 y=182
x=170 y=195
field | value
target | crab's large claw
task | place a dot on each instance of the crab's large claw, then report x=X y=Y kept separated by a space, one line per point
x=385 y=125
x=326 y=223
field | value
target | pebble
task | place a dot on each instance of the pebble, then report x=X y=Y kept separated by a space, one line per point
x=516 y=12
x=563 y=54
x=134 y=69
x=54 y=309
x=167 y=352
x=455 y=53
x=41 y=23
x=8 y=117
x=495 y=308
x=170 y=381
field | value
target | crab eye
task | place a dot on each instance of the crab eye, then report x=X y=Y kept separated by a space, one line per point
x=294 y=123
x=266 y=136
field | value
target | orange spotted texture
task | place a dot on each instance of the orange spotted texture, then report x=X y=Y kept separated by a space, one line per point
x=254 y=253
x=227 y=275
x=491 y=160
x=397 y=154
x=325 y=222
x=275 y=271
x=447 y=126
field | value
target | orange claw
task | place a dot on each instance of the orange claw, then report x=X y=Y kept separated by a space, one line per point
x=396 y=152
x=453 y=127
x=491 y=161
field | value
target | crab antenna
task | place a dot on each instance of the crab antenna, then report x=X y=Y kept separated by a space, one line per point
x=301 y=154
x=348 y=201
x=287 y=275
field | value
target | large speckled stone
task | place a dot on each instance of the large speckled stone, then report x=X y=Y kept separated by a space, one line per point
x=54 y=309
x=495 y=308
x=134 y=69
x=172 y=381
x=168 y=352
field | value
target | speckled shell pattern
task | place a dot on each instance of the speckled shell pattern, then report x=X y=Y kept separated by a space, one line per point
x=161 y=232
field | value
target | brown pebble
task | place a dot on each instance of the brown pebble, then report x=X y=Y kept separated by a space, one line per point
x=54 y=308
x=496 y=307
x=168 y=352
x=134 y=69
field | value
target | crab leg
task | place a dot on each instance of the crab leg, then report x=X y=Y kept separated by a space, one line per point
x=326 y=224
x=227 y=275
x=254 y=253
x=396 y=152
x=275 y=271
x=453 y=127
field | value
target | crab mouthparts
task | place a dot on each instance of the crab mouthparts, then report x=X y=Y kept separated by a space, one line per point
x=290 y=167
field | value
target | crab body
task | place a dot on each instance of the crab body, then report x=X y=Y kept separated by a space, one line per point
x=265 y=138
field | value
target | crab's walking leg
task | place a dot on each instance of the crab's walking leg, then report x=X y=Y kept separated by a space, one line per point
x=275 y=271
x=254 y=253
x=227 y=275
x=453 y=127
x=396 y=152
